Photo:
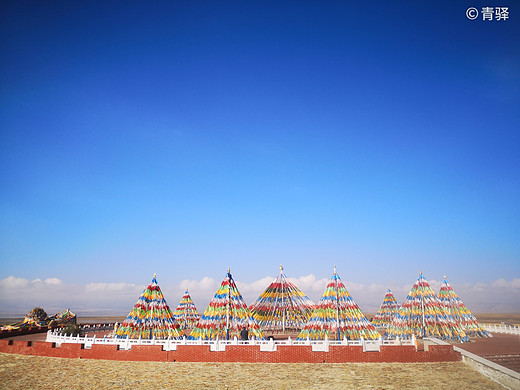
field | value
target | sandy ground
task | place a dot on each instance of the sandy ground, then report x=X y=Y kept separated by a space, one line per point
x=32 y=372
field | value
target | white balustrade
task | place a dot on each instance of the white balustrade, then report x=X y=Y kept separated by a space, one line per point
x=502 y=328
x=220 y=345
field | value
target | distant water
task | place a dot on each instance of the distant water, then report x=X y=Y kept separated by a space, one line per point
x=99 y=320
x=80 y=319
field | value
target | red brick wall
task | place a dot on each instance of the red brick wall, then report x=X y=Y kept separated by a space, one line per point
x=236 y=353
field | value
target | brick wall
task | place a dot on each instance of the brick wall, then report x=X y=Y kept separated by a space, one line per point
x=236 y=353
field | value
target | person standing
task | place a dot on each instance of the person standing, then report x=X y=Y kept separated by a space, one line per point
x=244 y=334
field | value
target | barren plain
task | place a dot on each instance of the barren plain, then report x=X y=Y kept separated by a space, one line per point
x=32 y=372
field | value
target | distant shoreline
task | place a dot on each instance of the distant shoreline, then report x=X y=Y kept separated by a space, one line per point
x=80 y=319
x=99 y=319
x=484 y=318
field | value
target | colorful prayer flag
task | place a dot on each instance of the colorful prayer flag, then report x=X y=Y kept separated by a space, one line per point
x=150 y=317
x=337 y=316
x=226 y=314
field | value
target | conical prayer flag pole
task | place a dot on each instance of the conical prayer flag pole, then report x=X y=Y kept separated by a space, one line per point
x=186 y=313
x=460 y=312
x=423 y=315
x=337 y=316
x=282 y=306
x=387 y=310
x=226 y=315
x=150 y=317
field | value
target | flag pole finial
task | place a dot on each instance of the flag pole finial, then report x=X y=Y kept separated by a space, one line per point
x=444 y=277
x=281 y=268
x=335 y=270
x=154 y=275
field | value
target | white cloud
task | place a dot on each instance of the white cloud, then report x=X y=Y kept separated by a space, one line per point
x=204 y=284
x=513 y=284
x=108 y=287
x=54 y=281
x=12 y=282
x=309 y=284
x=254 y=287
x=20 y=295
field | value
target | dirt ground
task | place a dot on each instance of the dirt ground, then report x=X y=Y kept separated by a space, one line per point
x=500 y=343
x=35 y=372
x=510 y=318
x=503 y=349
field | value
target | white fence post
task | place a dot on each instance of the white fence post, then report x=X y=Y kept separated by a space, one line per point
x=502 y=328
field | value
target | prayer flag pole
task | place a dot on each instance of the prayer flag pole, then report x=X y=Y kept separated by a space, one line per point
x=422 y=307
x=227 y=305
x=283 y=306
x=337 y=300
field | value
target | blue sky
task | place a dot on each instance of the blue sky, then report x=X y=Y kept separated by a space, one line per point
x=184 y=138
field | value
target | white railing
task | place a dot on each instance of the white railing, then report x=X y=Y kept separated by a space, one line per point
x=502 y=328
x=220 y=345
x=86 y=328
